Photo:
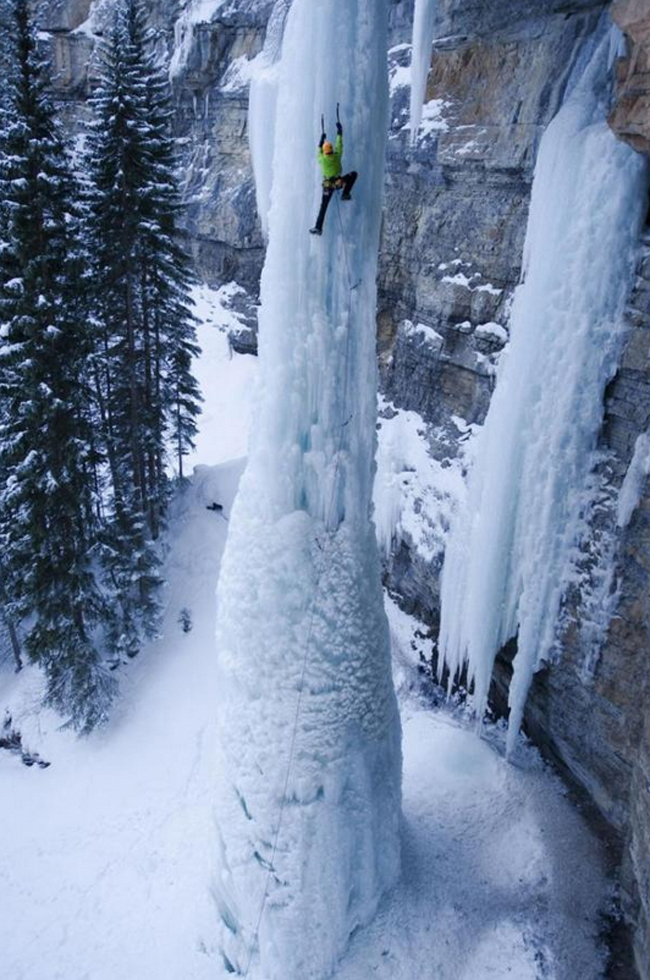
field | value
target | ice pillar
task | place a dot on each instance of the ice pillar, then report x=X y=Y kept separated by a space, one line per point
x=423 y=29
x=308 y=809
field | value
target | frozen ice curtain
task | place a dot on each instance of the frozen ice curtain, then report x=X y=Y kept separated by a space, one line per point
x=509 y=557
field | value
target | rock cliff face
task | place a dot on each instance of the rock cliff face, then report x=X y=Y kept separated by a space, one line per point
x=211 y=90
x=630 y=118
x=456 y=211
x=455 y=220
x=454 y=225
x=208 y=68
x=594 y=724
x=622 y=685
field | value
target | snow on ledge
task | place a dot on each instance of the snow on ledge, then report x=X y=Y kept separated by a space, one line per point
x=460 y=279
x=492 y=331
x=424 y=332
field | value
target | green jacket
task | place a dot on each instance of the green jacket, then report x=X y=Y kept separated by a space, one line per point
x=331 y=163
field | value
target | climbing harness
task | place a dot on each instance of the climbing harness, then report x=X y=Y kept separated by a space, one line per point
x=347 y=418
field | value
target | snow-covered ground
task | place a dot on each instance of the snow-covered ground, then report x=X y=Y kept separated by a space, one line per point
x=226 y=380
x=107 y=856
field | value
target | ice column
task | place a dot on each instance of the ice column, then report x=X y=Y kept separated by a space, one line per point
x=262 y=109
x=299 y=599
x=423 y=26
x=510 y=550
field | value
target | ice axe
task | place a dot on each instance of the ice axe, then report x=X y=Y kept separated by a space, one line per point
x=338 y=118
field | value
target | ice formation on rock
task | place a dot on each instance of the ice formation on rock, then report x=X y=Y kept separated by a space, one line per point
x=423 y=28
x=192 y=13
x=262 y=109
x=510 y=548
x=633 y=484
x=311 y=822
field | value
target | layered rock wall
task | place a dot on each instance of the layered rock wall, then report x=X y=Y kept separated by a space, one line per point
x=456 y=213
x=208 y=64
x=454 y=226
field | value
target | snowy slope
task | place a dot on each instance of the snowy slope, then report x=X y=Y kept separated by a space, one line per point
x=226 y=379
x=105 y=856
x=104 y=853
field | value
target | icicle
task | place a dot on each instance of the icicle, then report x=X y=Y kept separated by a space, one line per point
x=423 y=27
x=509 y=554
x=262 y=109
x=617 y=45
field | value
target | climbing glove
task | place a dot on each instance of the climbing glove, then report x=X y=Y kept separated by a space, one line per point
x=322 y=140
x=339 y=129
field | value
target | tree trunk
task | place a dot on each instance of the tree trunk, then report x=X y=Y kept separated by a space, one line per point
x=15 y=644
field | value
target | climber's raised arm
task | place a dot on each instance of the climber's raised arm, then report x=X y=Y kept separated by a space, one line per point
x=339 y=140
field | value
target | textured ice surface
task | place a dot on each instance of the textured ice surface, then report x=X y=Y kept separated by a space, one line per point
x=510 y=548
x=423 y=26
x=262 y=108
x=415 y=494
x=302 y=635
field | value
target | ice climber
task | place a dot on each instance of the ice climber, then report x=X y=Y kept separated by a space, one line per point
x=329 y=158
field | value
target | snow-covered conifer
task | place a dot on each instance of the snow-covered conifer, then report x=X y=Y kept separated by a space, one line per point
x=148 y=397
x=47 y=512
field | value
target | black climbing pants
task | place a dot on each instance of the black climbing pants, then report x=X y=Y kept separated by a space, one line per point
x=344 y=182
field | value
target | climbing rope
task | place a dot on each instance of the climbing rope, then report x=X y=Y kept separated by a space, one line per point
x=312 y=614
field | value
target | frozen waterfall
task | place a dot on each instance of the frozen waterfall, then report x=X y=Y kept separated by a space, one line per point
x=423 y=28
x=308 y=721
x=262 y=109
x=510 y=548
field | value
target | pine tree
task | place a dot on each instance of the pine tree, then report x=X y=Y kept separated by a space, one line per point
x=7 y=69
x=47 y=512
x=146 y=393
x=167 y=276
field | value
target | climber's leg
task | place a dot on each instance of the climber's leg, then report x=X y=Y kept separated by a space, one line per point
x=348 y=184
x=324 y=204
